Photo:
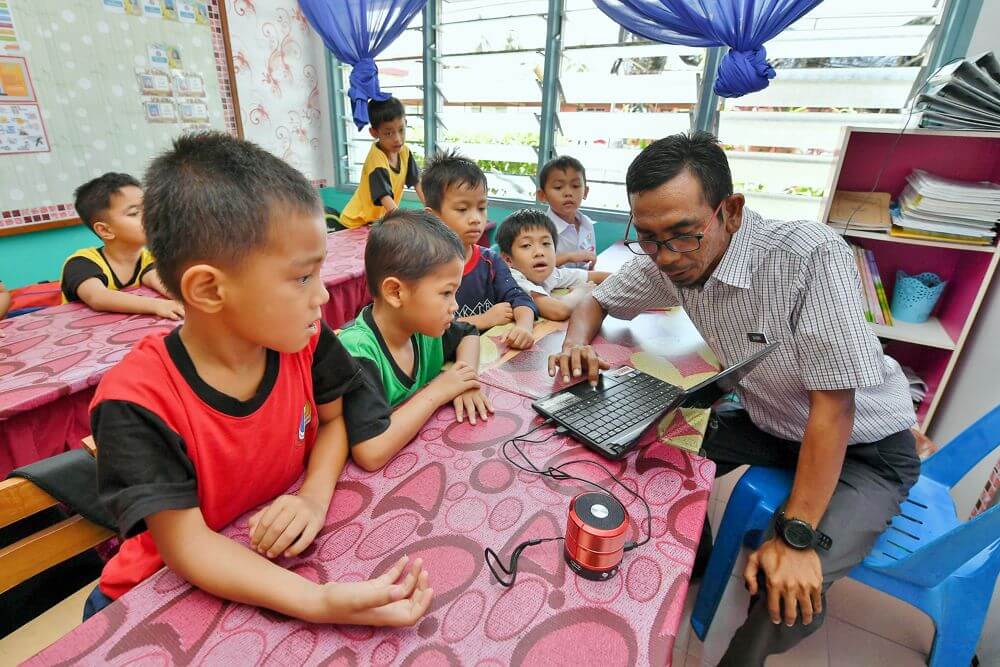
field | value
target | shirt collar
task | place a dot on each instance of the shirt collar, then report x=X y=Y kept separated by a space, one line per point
x=557 y=221
x=736 y=266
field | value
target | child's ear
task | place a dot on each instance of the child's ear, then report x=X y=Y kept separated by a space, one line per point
x=391 y=291
x=103 y=231
x=540 y=196
x=507 y=258
x=372 y=131
x=586 y=191
x=204 y=287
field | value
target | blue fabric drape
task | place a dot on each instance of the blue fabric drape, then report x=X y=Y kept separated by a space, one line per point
x=742 y=25
x=356 y=31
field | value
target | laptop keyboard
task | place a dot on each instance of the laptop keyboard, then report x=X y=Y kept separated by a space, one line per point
x=616 y=409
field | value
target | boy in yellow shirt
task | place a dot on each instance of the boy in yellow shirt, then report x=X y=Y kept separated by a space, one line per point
x=388 y=168
x=111 y=205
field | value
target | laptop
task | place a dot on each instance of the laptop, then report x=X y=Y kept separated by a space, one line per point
x=613 y=417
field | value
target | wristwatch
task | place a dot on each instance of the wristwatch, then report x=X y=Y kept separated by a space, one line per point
x=800 y=535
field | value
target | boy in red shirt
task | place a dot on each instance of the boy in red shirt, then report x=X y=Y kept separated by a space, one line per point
x=223 y=414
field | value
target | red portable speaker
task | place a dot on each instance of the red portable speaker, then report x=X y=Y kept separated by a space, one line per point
x=595 y=535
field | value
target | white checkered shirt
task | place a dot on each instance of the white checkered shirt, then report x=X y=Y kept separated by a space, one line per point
x=794 y=282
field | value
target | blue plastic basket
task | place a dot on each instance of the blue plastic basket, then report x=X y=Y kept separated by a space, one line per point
x=914 y=297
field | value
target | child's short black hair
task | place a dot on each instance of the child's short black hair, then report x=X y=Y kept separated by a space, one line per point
x=210 y=198
x=94 y=196
x=562 y=163
x=384 y=111
x=408 y=244
x=448 y=168
x=520 y=221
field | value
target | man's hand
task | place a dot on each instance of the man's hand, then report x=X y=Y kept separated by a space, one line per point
x=576 y=359
x=455 y=381
x=794 y=580
x=167 y=309
x=500 y=314
x=286 y=527
x=519 y=338
x=379 y=601
x=470 y=403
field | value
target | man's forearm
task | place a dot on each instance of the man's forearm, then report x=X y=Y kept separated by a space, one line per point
x=821 y=457
x=585 y=322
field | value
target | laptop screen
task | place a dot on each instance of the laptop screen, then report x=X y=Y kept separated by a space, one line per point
x=707 y=392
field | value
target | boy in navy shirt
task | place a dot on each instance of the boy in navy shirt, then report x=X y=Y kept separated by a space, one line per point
x=198 y=426
x=455 y=191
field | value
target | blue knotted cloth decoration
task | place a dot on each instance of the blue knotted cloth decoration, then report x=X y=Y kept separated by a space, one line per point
x=742 y=25
x=356 y=31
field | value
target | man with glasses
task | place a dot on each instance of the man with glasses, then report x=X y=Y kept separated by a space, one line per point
x=827 y=402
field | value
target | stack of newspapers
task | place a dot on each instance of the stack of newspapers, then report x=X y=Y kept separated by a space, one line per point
x=964 y=95
x=942 y=209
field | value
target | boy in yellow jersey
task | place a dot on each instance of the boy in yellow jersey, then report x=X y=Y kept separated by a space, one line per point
x=111 y=205
x=388 y=168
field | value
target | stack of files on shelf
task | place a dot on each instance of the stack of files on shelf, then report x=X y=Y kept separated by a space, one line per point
x=873 y=297
x=860 y=211
x=964 y=95
x=942 y=209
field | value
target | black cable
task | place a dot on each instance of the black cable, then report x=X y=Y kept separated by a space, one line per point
x=557 y=473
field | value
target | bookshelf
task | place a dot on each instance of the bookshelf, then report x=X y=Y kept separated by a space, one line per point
x=880 y=159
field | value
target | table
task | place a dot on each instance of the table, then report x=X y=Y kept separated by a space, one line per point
x=343 y=273
x=50 y=362
x=444 y=498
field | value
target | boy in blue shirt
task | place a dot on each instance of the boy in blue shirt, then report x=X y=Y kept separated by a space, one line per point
x=455 y=191
x=413 y=266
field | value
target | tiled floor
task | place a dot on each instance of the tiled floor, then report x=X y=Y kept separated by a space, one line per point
x=863 y=626
x=31 y=638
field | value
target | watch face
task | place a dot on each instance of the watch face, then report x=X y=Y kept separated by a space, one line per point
x=798 y=534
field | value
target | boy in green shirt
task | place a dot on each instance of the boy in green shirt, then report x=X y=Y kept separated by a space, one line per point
x=413 y=265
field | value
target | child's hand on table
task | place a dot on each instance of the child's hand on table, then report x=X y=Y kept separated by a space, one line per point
x=471 y=402
x=167 y=309
x=455 y=381
x=286 y=527
x=586 y=256
x=519 y=338
x=500 y=314
x=379 y=601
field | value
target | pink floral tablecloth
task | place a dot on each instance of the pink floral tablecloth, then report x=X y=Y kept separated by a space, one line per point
x=444 y=498
x=343 y=274
x=50 y=362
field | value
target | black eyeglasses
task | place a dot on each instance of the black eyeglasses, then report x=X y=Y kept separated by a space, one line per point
x=680 y=243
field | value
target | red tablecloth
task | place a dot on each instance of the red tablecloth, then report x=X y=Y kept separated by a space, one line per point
x=344 y=275
x=50 y=362
x=444 y=498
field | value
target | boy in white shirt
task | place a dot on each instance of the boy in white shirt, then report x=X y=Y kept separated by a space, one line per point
x=527 y=243
x=562 y=184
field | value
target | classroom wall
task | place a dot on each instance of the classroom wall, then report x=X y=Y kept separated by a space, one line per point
x=284 y=106
x=281 y=83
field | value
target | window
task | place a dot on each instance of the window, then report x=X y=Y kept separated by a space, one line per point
x=847 y=62
x=401 y=74
x=489 y=79
x=619 y=92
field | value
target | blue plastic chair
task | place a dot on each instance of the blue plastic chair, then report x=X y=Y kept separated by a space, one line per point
x=927 y=557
